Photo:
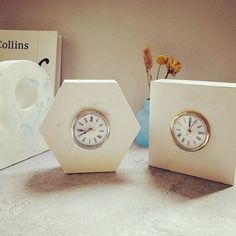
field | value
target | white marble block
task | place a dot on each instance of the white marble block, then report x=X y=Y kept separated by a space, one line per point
x=216 y=102
x=25 y=95
x=75 y=97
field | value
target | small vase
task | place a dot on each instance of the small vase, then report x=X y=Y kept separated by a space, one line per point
x=143 y=119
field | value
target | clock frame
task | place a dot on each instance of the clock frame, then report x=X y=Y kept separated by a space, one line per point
x=95 y=113
x=198 y=116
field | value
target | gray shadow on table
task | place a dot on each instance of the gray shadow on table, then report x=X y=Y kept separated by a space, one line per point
x=184 y=185
x=54 y=180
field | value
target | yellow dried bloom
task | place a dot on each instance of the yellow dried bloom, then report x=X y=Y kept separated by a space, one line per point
x=176 y=69
x=173 y=66
x=162 y=59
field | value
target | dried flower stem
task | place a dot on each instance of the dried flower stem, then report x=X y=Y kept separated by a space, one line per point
x=148 y=64
x=168 y=72
x=149 y=77
x=158 y=71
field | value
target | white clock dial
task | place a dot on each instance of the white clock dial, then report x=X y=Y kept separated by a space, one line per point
x=190 y=131
x=90 y=129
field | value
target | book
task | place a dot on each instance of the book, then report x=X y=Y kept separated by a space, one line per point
x=42 y=47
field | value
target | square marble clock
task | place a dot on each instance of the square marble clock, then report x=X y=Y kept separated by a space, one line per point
x=193 y=128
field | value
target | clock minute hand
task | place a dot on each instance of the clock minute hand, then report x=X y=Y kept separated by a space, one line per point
x=86 y=131
x=189 y=124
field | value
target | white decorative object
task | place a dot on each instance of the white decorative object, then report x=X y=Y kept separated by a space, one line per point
x=42 y=47
x=25 y=95
x=192 y=128
x=89 y=126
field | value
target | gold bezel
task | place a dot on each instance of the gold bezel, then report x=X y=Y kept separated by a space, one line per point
x=86 y=112
x=197 y=114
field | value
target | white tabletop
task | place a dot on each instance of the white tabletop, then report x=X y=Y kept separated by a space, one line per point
x=37 y=198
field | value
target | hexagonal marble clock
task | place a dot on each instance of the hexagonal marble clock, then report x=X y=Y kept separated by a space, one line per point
x=192 y=128
x=89 y=126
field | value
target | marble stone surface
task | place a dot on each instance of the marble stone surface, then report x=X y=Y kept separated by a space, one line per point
x=37 y=198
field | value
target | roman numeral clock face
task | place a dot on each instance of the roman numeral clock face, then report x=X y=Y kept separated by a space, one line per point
x=90 y=129
x=190 y=131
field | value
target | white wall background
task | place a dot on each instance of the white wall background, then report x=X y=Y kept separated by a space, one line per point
x=104 y=39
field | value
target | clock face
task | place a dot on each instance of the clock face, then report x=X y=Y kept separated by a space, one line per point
x=90 y=129
x=190 y=131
